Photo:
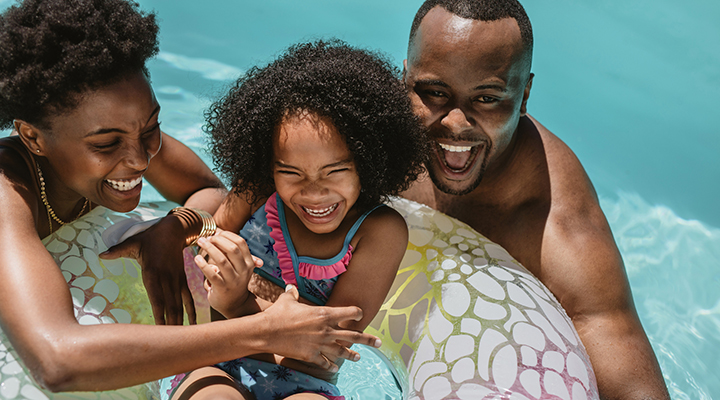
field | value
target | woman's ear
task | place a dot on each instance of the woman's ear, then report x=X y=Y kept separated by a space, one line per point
x=31 y=136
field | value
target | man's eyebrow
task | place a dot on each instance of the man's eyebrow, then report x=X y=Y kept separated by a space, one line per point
x=432 y=82
x=491 y=86
x=110 y=130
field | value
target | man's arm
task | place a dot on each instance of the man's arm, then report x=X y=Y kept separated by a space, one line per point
x=582 y=266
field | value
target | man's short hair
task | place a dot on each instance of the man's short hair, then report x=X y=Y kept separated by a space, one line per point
x=482 y=10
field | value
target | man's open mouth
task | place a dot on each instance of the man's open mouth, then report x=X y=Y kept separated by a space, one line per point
x=458 y=159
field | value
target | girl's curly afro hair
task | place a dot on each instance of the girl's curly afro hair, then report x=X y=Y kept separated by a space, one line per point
x=359 y=91
x=53 y=50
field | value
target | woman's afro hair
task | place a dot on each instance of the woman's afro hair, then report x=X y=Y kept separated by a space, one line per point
x=357 y=90
x=53 y=50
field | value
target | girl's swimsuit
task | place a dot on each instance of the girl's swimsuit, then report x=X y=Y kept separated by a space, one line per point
x=268 y=238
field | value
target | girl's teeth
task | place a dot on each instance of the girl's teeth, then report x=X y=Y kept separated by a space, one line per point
x=321 y=212
x=124 y=186
x=455 y=149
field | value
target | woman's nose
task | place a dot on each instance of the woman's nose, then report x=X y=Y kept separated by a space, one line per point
x=141 y=152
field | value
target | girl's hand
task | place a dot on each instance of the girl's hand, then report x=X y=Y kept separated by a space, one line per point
x=159 y=251
x=227 y=270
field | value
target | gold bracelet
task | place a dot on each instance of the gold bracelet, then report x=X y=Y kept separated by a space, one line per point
x=190 y=215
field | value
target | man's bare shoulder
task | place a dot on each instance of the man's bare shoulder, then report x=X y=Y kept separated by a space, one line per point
x=573 y=197
x=421 y=191
x=577 y=247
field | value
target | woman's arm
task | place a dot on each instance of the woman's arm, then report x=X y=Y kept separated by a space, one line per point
x=36 y=314
x=179 y=175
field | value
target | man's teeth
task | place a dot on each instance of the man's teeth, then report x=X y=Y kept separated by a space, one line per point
x=323 y=212
x=124 y=186
x=455 y=149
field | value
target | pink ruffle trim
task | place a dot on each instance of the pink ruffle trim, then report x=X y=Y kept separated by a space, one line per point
x=306 y=270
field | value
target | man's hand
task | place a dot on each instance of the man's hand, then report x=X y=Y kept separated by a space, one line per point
x=158 y=250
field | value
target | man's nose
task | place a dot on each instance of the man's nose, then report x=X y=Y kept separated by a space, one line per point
x=456 y=121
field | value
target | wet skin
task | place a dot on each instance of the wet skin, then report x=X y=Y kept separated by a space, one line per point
x=523 y=188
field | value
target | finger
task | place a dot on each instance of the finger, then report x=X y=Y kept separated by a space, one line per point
x=173 y=305
x=321 y=361
x=216 y=256
x=235 y=249
x=157 y=302
x=258 y=262
x=340 y=314
x=211 y=271
x=342 y=352
x=290 y=290
x=126 y=249
x=189 y=304
x=206 y=285
x=358 y=337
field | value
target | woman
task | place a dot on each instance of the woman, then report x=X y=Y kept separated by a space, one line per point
x=75 y=90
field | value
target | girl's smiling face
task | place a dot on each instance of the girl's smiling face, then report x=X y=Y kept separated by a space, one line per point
x=314 y=172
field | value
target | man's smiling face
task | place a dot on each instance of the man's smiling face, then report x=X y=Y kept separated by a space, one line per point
x=469 y=82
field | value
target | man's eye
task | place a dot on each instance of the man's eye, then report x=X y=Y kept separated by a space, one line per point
x=434 y=93
x=486 y=99
x=338 y=170
x=287 y=172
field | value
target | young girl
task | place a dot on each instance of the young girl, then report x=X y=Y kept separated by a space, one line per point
x=313 y=144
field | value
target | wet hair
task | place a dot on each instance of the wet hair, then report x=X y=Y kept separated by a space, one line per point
x=51 y=51
x=357 y=90
x=481 y=10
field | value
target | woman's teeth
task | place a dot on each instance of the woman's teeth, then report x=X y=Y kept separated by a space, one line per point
x=455 y=149
x=123 y=185
x=322 y=212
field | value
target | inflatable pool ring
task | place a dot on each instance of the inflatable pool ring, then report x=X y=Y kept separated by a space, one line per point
x=103 y=291
x=462 y=320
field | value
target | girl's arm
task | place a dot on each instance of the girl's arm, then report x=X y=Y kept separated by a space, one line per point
x=381 y=243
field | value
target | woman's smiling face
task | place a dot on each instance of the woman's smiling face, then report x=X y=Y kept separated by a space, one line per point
x=101 y=149
x=314 y=172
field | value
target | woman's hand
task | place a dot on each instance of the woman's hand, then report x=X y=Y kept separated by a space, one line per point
x=311 y=333
x=228 y=269
x=159 y=251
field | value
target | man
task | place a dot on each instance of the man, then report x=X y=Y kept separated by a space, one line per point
x=497 y=169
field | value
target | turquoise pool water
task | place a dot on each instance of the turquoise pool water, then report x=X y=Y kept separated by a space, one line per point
x=632 y=87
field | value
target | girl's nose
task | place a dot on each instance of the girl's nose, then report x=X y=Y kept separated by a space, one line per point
x=314 y=189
